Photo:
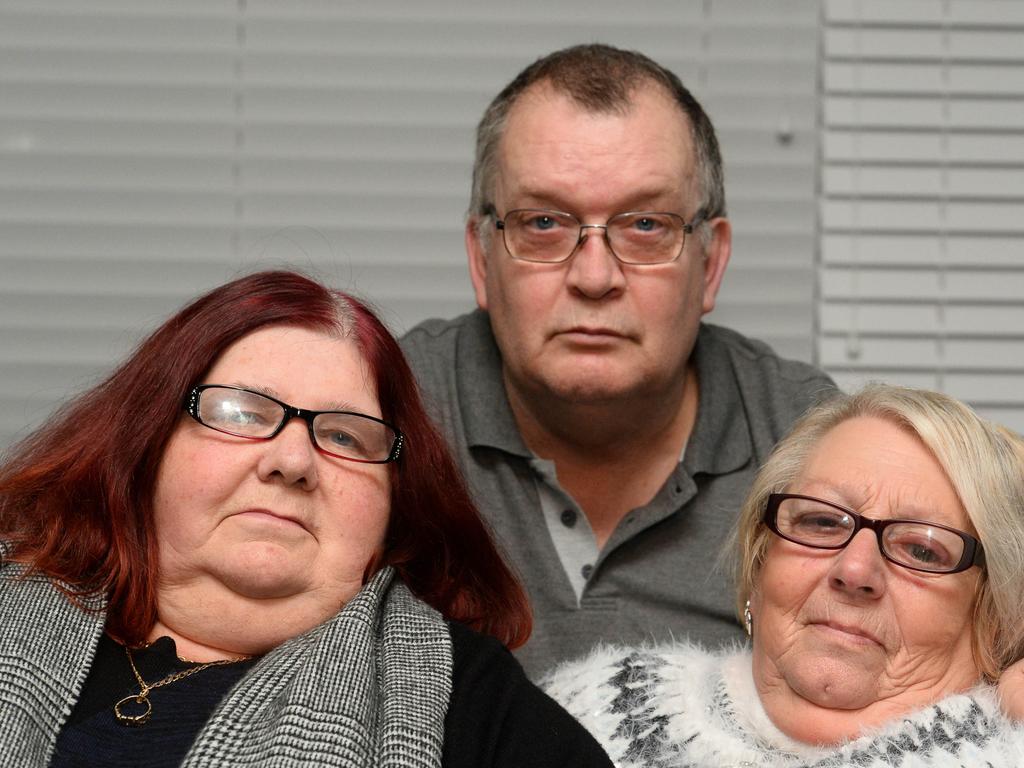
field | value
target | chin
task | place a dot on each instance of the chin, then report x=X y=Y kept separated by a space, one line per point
x=586 y=393
x=264 y=571
x=834 y=683
x=583 y=385
x=267 y=586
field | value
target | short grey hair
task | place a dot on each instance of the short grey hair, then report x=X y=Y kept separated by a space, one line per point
x=984 y=463
x=601 y=79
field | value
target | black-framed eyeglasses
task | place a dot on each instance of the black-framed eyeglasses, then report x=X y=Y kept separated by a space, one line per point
x=634 y=237
x=915 y=544
x=244 y=413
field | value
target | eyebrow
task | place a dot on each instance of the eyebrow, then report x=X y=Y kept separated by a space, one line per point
x=331 y=405
x=642 y=200
x=845 y=495
x=842 y=493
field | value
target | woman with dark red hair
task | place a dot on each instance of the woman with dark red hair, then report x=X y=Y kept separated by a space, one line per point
x=249 y=546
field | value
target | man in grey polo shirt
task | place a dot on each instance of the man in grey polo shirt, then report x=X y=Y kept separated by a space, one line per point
x=608 y=435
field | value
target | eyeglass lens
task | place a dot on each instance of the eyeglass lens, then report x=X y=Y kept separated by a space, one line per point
x=634 y=238
x=248 y=414
x=917 y=545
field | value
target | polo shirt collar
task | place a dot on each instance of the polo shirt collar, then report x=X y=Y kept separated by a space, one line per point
x=486 y=413
x=720 y=441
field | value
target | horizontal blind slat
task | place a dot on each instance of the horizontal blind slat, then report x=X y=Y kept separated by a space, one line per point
x=150 y=150
x=922 y=273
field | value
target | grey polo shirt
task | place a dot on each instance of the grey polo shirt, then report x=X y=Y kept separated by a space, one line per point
x=660 y=574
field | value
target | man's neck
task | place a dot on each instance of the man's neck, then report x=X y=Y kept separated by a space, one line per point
x=611 y=458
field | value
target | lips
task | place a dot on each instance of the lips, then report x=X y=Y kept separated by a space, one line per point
x=270 y=518
x=852 y=631
x=592 y=332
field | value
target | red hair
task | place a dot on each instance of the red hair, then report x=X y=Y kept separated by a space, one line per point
x=76 y=495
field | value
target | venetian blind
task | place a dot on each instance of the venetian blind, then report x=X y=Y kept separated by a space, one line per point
x=151 y=149
x=922 y=240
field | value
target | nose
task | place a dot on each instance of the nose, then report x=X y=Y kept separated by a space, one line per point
x=859 y=569
x=594 y=272
x=290 y=457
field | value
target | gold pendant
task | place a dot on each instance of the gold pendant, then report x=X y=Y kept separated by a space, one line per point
x=134 y=720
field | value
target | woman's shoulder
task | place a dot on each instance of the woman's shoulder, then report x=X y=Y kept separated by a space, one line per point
x=11 y=571
x=611 y=670
x=497 y=717
x=473 y=651
x=961 y=729
x=680 y=703
x=644 y=703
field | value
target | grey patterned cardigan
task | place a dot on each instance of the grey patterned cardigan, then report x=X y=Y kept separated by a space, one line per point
x=680 y=706
x=368 y=687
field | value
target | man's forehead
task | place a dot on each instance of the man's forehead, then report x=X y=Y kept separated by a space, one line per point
x=546 y=92
x=546 y=112
x=552 y=139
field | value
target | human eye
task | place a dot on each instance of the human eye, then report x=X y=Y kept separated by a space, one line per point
x=233 y=414
x=923 y=547
x=648 y=224
x=821 y=520
x=814 y=521
x=539 y=235
x=925 y=554
x=338 y=438
x=345 y=434
x=537 y=222
x=334 y=430
x=243 y=412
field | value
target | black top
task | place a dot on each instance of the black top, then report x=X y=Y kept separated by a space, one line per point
x=496 y=716
x=92 y=736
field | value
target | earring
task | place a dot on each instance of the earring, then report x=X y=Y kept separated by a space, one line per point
x=748 y=620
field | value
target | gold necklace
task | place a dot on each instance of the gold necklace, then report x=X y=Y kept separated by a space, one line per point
x=142 y=697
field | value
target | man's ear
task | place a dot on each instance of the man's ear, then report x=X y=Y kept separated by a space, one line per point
x=477 y=255
x=716 y=259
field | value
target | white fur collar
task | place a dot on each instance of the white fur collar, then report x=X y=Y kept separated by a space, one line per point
x=678 y=705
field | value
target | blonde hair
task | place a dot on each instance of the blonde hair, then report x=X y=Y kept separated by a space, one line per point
x=984 y=463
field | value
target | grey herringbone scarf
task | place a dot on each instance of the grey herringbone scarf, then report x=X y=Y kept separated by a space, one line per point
x=369 y=687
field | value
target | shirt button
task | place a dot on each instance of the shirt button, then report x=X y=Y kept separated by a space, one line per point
x=568 y=518
x=586 y=570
